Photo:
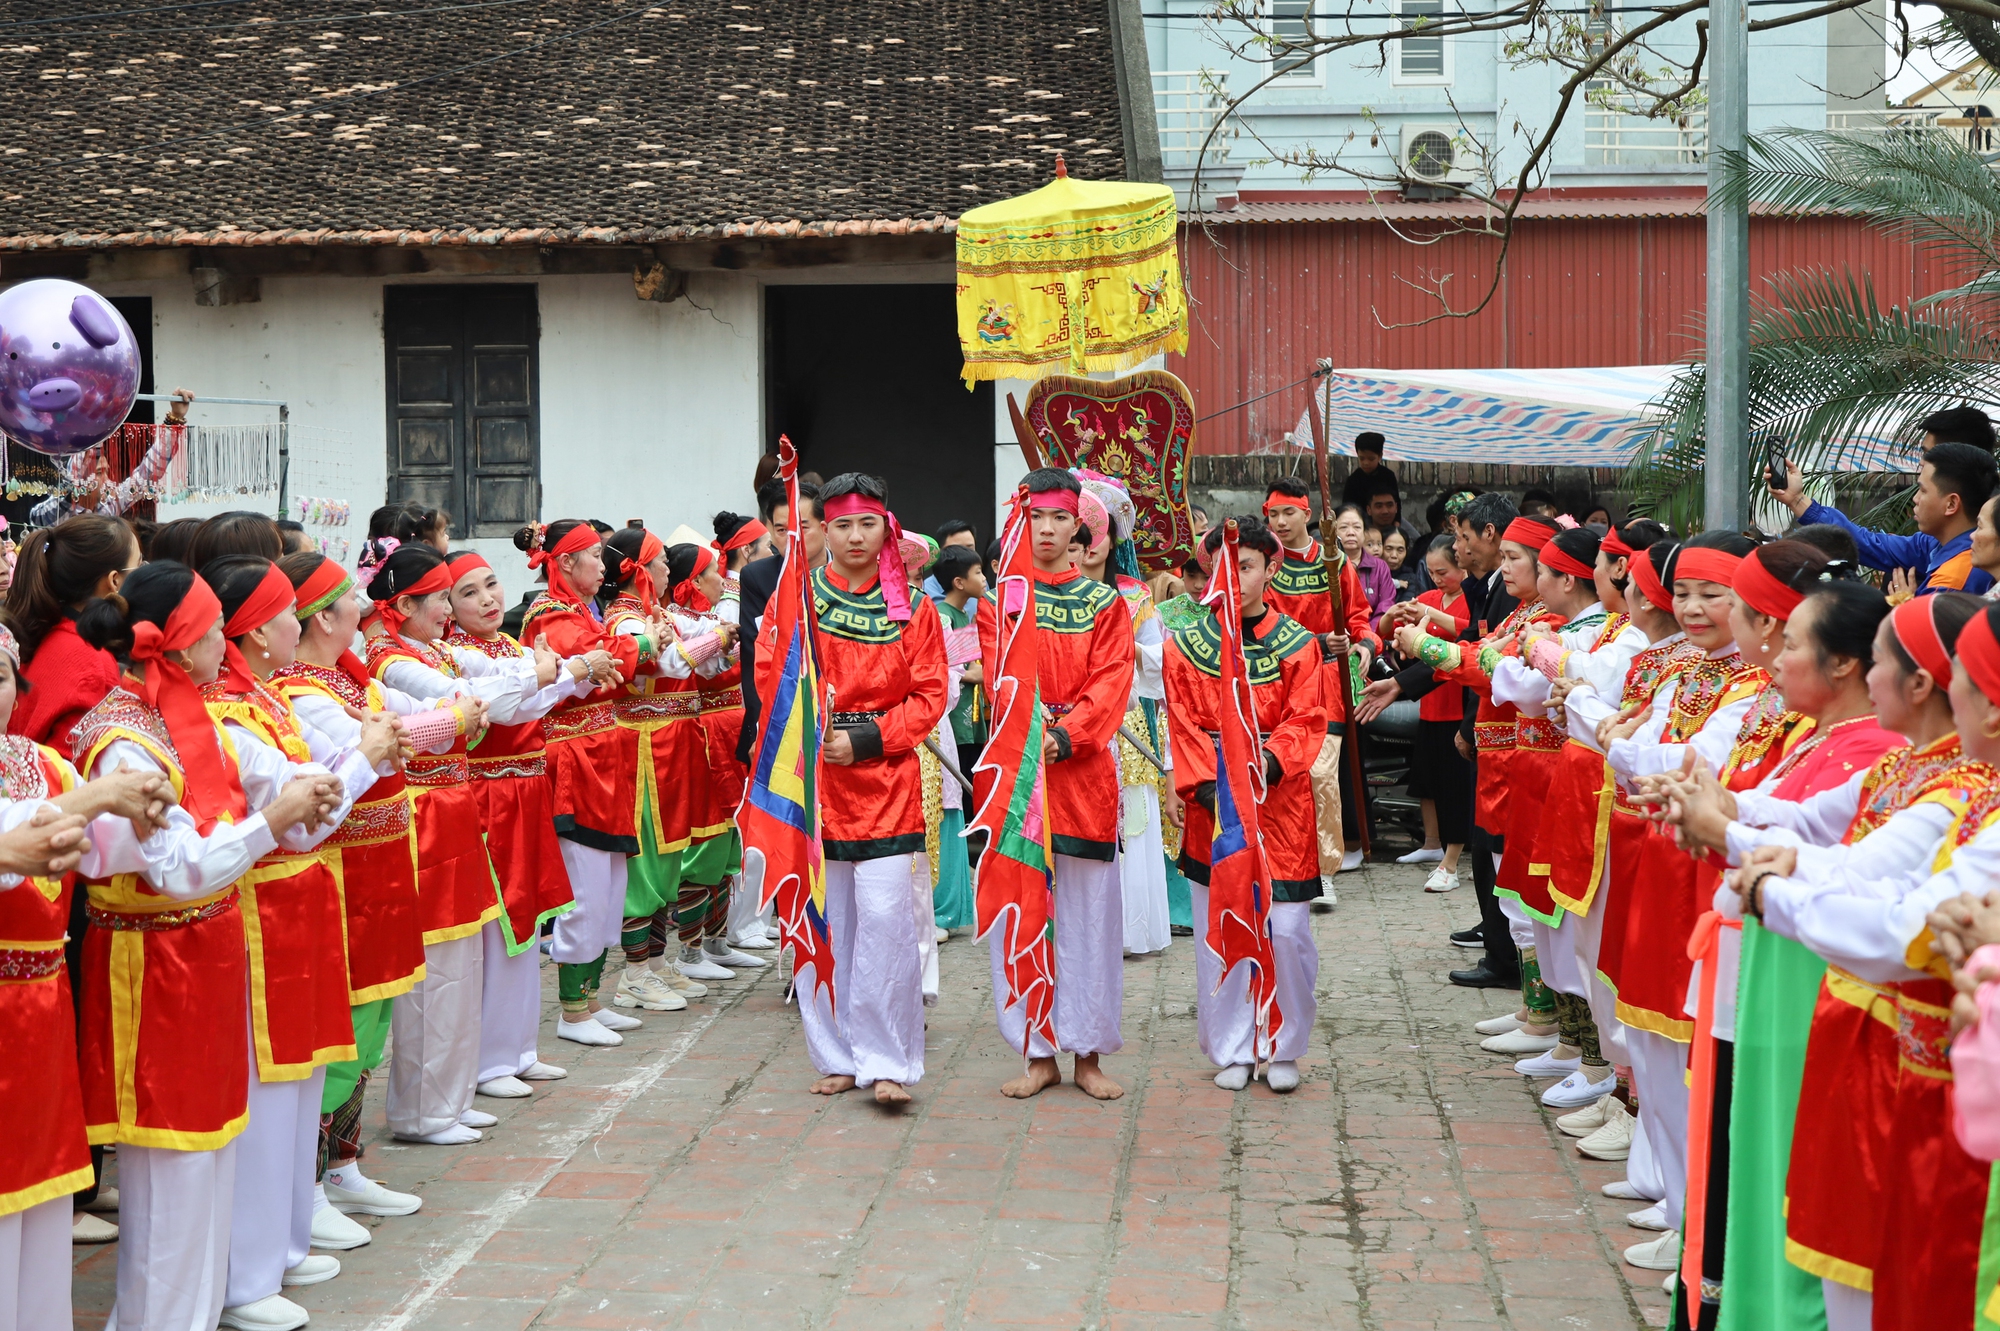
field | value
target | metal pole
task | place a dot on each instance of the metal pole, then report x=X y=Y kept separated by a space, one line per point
x=1727 y=478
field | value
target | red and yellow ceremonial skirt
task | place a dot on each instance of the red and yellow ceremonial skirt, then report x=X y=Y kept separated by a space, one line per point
x=517 y=808
x=593 y=774
x=1569 y=864
x=1841 y=1138
x=670 y=766
x=376 y=872
x=1493 y=740
x=1933 y=1194
x=165 y=1051
x=47 y=1154
x=1538 y=743
x=292 y=928
x=456 y=894
x=1644 y=957
x=722 y=725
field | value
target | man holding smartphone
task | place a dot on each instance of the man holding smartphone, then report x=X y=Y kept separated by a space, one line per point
x=1954 y=484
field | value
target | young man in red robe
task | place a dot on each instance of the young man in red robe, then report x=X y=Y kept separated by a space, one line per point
x=1084 y=649
x=881 y=657
x=1298 y=589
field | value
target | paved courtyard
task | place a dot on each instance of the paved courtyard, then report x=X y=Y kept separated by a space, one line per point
x=687 y=1179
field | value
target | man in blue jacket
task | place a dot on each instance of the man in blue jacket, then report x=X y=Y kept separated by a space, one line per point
x=1953 y=485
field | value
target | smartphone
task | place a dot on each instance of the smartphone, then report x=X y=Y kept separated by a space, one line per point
x=1776 y=473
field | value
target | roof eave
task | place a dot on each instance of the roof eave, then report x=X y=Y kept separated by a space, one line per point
x=442 y=237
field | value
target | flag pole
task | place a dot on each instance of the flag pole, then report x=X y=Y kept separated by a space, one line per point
x=1334 y=561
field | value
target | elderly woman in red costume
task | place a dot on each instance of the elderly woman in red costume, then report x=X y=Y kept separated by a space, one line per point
x=510 y=781
x=167 y=942
x=881 y=657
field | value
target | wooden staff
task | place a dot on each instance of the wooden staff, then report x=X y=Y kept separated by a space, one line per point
x=1333 y=561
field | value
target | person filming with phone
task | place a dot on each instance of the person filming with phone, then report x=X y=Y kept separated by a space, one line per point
x=1953 y=485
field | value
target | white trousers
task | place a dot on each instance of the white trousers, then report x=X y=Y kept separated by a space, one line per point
x=1642 y=1167
x=1223 y=1020
x=875 y=1031
x=1090 y=965
x=434 y=1065
x=592 y=927
x=173 y=1237
x=510 y=1005
x=270 y=1228
x=1142 y=872
x=1603 y=1003
x=34 y=1267
x=745 y=920
x=1520 y=924
x=1659 y=1072
x=1847 y=1308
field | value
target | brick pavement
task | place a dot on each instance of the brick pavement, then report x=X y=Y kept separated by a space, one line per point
x=687 y=1179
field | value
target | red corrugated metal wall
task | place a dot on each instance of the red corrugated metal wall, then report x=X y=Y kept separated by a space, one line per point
x=1270 y=299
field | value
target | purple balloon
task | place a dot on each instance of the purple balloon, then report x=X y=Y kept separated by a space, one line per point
x=69 y=366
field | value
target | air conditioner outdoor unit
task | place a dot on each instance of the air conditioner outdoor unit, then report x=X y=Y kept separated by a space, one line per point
x=1436 y=155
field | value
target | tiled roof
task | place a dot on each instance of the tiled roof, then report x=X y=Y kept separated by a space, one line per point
x=1392 y=208
x=539 y=121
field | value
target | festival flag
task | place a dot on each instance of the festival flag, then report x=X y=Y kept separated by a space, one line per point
x=1239 y=877
x=1016 y=881
x=779 y=814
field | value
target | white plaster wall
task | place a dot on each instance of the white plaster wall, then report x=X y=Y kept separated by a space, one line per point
x=647 y=410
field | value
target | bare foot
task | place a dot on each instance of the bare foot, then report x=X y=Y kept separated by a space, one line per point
x=1090 y=1079
x=890 y=1093
x=832 y=1085
x=1042 y=1073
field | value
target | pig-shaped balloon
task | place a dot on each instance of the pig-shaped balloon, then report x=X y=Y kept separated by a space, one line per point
x=69 y=366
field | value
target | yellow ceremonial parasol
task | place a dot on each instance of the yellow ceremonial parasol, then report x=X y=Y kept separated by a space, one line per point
x=1079 y=275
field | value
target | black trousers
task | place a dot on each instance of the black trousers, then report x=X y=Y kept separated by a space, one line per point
x=73 y=960
x=1502 y=957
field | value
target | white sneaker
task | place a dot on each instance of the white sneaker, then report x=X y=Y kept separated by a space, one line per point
x=273 y=1312
x=1327 y=896
x=1613 y=1141
x=669 y=974
x=722 y=954
x=1624 y=1191
x=1587 y=1119
x=505 y=1088
x=1234 y=1077
x=104 y=1203
x=348 y=1190
x=1351 y=861
x=316 y=1267
x=1546 y=1064
x=613 y=1020
x=87 y=1228
x=544 y=1072
x=640 y=987
x=587 y=1031
x=1500 y=1025
x=1662 y=1254
x=1521 y=1041
x=1282 y=1076
x=1578 y=1089
x=331 y=1229
x=1653 y=1217
x=1441 y=880
x=1424 y=855
x=455 y=1135
x=477 y=1118
x=943 y=935
x=696 y=966
x=758 y=942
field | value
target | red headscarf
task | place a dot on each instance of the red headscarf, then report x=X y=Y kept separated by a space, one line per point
x=271 y=598
x=1555 y=557
x=1980 y=651
x=1915 y=626
x=466 y=563
x=322 y=587
x=1529 y=532
x=686 y=592
x=1706 y=564
x=1647 y=578
x=1758 y=588
x=643 y=586
x=578 y=539
x=439 y=579
x=895 y=579
x=211 y=790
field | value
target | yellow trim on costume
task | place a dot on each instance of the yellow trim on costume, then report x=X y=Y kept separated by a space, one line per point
x=32 y=945
x=165 y=1139
x=388 y=988
x=649 y=781
x=127 y=972
x=1923 y=955
x=1600 y=850
x=1827 y=1267
x=46 y=1191
x=1641 y=1019
x=1859 y=993
x=1991 y=1312
x=710 y=833
x=268 y=1068
x=457 y=931
x=1540 y=870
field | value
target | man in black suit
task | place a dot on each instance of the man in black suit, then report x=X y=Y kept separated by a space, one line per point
x=1486 y=596
x=758 y=580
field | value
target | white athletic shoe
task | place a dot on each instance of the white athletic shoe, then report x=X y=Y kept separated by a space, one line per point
x=506 y=1088
x=1546 y=1064
x=1624 y=1191
x=331 y=1229
x=1587 y=1119
x=1441 y=880
x=1500 y=1025
x=1327 y=896
x=348 y=1189
x=613 y=1020
x=1578 y=1089
x=1653 y=1217
x=477 y=1118
x=587 y=1031
x=1613 y=1141
x=544 y=1072
x=273 y=1312
x=1521 y=1041
x=640 y=987
x=455 y=1135
x=1423 y=855
x=1282 y=1076
x=1351 y=861
x=722 y=954
x=756 y=942
x=942 y=935
x=1234 y=1077
x=316 y=1267
x=696 y=965
x=87 y=1228
x=1662 y=1254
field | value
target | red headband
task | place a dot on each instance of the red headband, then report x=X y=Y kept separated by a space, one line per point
x=643 y=586
x=1614 y=545
x=850 y=504
x=469 y=562
x=1528 y=532
x=1979 y=652
x=272 y=597
x=439 y=579
x=211 y=788
x=1759 y=589
x=1279 y=499
x=1915 y=627
x=684 y=592
x=1648 y=579
x=322 y=588
x=747 y=534
x=1707 y=565
x=578 y=539
x=1555 y=557
x=1069 y=501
